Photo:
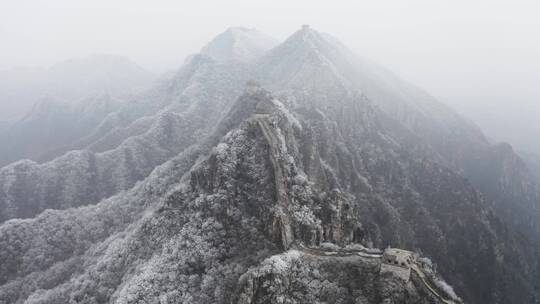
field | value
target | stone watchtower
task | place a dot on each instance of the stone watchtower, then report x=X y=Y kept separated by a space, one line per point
x=397 y=261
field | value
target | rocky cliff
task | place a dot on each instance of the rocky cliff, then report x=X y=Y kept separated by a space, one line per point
x=231 y=182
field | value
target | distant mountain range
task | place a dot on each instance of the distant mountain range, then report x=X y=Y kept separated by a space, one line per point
x=209 y=186
x=69 y=81
x=239 y=43
x=63 y=103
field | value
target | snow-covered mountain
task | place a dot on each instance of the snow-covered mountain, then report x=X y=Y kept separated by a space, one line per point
x=239 y=43
x=310 y=63
x=227 y=183
x=54 y=107
x=52 y=124
x=69 y=81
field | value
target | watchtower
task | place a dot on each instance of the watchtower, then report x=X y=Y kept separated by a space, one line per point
x=397 y=261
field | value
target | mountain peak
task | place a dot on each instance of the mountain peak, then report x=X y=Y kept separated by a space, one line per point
x=238 y=30
x=240 y=44
x=308 y=42
x=307 y=34
x=308 y=56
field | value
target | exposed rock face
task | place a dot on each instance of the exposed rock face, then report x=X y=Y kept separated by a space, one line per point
x=533 y=162
x=115 y=162
x=82 y=177
x=226 y=214
x=208 y=182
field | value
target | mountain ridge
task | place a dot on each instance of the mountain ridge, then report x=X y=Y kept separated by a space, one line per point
x=238 y=43
x=319 y=157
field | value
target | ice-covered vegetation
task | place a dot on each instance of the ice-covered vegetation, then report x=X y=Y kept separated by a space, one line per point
x=196 y=191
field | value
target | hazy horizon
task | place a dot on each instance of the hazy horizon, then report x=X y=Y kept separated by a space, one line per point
x=225 y=166
x=481 y=58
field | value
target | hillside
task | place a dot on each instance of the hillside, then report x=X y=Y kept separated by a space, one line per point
x=229 y=182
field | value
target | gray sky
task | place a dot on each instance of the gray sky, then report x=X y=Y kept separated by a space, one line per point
x=481 y=56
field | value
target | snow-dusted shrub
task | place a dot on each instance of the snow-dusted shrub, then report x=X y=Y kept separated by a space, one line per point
x=330 y=246
x=442 y=285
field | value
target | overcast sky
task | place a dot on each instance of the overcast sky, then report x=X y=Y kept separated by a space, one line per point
x=480 y=56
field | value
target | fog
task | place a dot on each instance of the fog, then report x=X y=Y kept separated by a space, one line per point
x=239 y=152
x=483 y=58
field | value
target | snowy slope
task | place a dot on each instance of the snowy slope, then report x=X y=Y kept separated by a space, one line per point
x=239 y=43
x=69 y=81
x=208 y=178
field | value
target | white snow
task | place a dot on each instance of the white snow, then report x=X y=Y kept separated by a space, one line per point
x=239 y=43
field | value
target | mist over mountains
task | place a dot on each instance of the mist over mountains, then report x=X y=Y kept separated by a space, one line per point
x=239 y=43
x=69 y=81
x=262 y=172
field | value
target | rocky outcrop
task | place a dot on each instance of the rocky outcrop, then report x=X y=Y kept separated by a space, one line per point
x=300 y=277
x=249 y=176
x=81 y=177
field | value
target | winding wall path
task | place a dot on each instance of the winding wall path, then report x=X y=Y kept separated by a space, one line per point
x=372 y=255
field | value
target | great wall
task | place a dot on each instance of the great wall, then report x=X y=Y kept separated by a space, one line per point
x=400 y=263
x=390 y=262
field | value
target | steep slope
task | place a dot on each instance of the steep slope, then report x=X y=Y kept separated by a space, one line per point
x=82 y=177
x=69 y=81
x=319 y=276
x=333 y=156
x=128 y=144
x=55 y=107
x=26 y=138
x=317 y=69
x=316 y=64
x=510 y=184
x=277 y=180
x=51 y=124
x=239 y=44
x=201 y=84
x=87 y=176
x=184 y=234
